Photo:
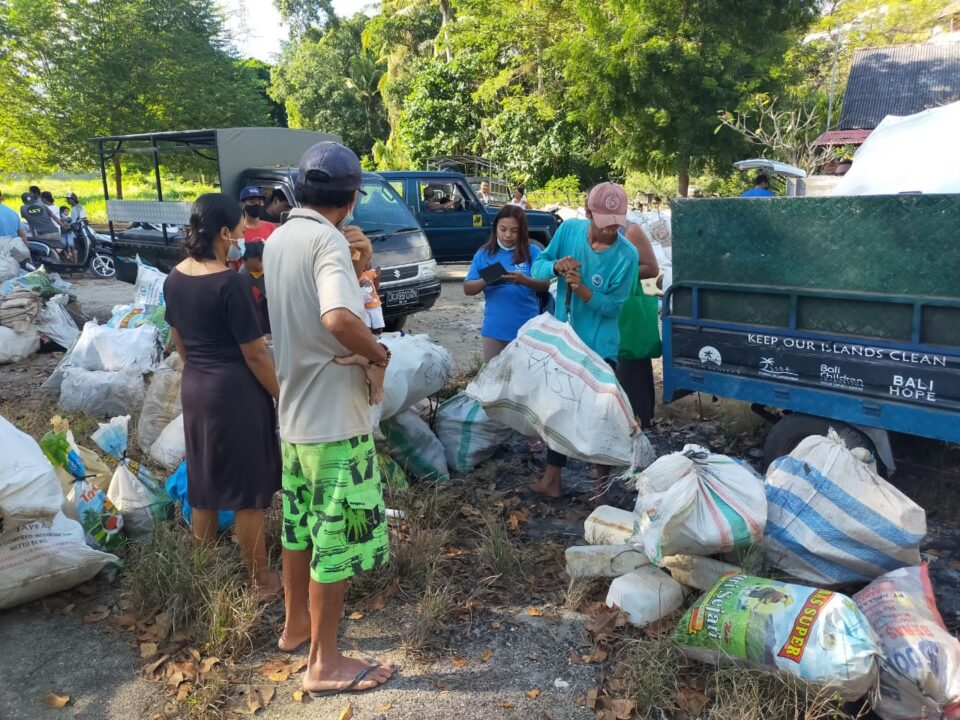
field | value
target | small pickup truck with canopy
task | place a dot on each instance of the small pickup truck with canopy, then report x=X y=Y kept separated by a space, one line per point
x=267 y=158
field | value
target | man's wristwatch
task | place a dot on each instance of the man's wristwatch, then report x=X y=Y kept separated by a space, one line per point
x=386 y=361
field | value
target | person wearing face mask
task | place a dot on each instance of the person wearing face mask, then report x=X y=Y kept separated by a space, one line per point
x=229 y=384
x=331 y=369
x=598 y=266
x=255 y=228
x=511 y=299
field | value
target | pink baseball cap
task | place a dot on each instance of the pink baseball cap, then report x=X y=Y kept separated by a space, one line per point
x=607 y=203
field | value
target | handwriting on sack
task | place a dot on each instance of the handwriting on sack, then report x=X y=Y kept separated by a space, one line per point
x=562 y=383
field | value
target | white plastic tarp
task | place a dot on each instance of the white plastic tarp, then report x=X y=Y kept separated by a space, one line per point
x=915 y=153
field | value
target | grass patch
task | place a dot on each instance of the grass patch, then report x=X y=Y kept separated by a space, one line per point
x=497 y=551
x=435 y=605
x=136 y=186
x=746 y=694
x=199 y=587
x=581 y=592
x=208 y=698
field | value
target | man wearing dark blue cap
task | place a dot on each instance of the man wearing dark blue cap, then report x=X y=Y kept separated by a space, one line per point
x=331 y=369
x=255 y=228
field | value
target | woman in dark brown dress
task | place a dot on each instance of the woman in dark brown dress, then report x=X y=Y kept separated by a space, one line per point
x=229 y=384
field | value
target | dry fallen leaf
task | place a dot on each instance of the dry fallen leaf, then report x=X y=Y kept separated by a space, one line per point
x=151 y=670
x=487 y=654
x=148 y=649
x=346 y=713
x=195 y=654
x=68 y=608
x=183 y=692
x=206 y=665
x=298 y=696
x=506 y=704
x=174 y=679
x=100 y=612
x=622 y=709
x=495 y=625
x=692 y=701
x=534 y=612
x=278 y=676
x=384 y=708
x=533 y=694
x=598 y=655
x=459 y=662
x=592 y=694
x=127 y=620
x=355 y=616
x=53 y=700
x=576 y=658
x=188 y=669
x=247 y=699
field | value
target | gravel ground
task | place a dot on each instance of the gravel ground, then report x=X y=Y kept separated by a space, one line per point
x=43 y=650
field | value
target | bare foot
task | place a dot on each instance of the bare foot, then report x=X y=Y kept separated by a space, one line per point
x=269 y=584
x=549 y=484
x=295 y=634
x=342 y=674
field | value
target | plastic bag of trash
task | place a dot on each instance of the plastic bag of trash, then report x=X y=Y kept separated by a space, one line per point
x=161 y=403
x=134 y=490
x=817 y=635
x=699 y=502
x=171 y=445
x=831 y=519
x=16 y=248
x=98 y=392
x=177 y=489
x=547 y=383
x=919 y=658
x=125 y=317
x=40 y=558
x=418 y=369
x=15 y=346
x=101 y=520
x=29 y=489
x=149 y=286
x=56 y=323
x=411 y=442
x=19 y=309
x=97 y=471
x=100 y=347
x=468 y=436
x=39 y=280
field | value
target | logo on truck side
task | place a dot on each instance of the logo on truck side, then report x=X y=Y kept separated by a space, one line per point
x=709 y=355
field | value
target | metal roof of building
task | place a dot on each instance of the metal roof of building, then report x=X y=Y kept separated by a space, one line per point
x=842 y=137
x=899 y=80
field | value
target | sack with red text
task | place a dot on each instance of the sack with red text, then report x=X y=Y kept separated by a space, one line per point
x=919 y=658
x=816 y=635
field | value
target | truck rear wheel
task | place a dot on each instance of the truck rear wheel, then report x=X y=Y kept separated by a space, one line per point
x=791 y=430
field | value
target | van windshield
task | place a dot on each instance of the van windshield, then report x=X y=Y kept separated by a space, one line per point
x=382 y=208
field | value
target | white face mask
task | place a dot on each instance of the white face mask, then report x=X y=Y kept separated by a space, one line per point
x=235 y=252
x=508 y=248
x=347 y=219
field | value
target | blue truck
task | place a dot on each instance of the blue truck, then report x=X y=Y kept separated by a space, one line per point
x=820 y=312
x=464 y=223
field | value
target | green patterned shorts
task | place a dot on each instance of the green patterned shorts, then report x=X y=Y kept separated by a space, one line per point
x=333 y=505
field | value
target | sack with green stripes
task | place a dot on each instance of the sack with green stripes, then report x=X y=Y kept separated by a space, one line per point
x=548 y=383
x=411 y=442
x=469 y=437
x=699 y=503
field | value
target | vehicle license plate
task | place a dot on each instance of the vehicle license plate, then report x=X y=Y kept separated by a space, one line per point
x=406 y=296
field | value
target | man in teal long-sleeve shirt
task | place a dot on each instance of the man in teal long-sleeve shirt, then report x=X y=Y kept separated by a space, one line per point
x=599 y=266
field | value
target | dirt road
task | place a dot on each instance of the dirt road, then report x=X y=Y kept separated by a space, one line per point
x=527 y=672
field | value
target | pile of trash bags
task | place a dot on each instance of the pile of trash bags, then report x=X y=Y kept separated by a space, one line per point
x=823 y=518
x=33 y=306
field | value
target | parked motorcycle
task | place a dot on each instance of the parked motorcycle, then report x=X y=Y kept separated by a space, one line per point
x=94 y=252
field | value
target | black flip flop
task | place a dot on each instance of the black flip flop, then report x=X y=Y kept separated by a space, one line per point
x=351 y=688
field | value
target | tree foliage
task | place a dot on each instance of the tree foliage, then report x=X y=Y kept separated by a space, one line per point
x=73 y=69
x=328 y=81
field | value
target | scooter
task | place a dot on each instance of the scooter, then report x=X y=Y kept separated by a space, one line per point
x=94 y=252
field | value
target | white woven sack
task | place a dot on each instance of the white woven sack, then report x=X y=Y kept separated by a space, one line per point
x=548 y=383
x=699 y=502
x=832 y=520
x=29 y=488
x=38 y=559
x=468 y=435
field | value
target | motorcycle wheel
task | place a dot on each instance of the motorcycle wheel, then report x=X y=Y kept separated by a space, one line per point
x=102 y=266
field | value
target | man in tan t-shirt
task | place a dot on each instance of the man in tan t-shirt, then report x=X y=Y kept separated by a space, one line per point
x=331 y=369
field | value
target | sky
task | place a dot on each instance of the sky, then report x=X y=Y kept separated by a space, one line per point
x=256 y=26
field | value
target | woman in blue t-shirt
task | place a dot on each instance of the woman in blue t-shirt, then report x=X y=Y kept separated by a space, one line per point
x=512 y=299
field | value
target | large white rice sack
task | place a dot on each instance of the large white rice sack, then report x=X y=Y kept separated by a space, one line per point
x=39 y=559
x=99 y=392
x=112 y=349
x=170 y=447
x=548 y=383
